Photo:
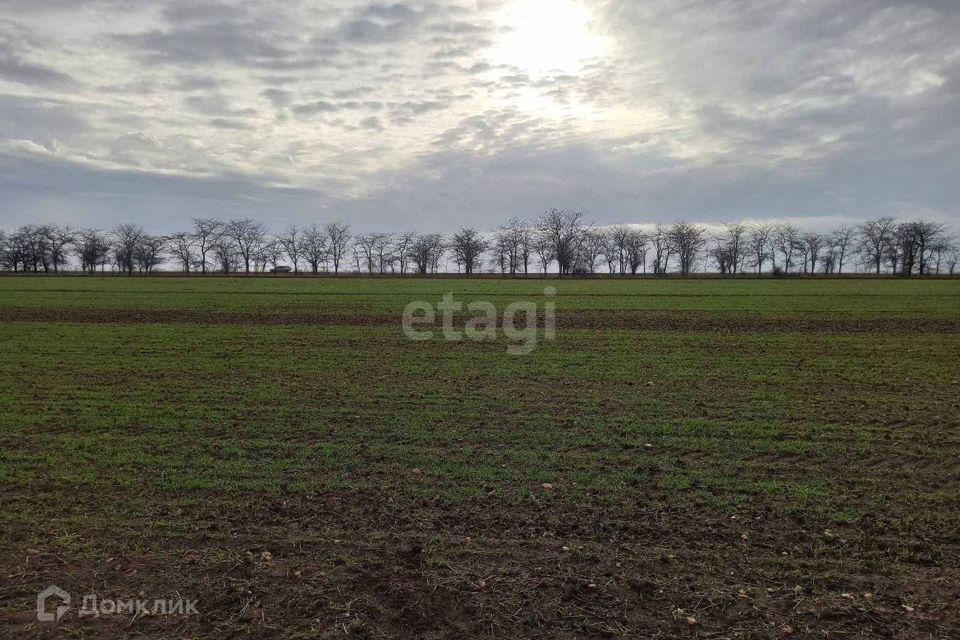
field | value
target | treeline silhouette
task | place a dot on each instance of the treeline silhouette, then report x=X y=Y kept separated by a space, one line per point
x=559 y=241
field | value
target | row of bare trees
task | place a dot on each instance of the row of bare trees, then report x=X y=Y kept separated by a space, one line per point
x=880 y=245
x=211 y=245
x=562 y=241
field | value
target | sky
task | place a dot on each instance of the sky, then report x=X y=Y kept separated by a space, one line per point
x=433 y=115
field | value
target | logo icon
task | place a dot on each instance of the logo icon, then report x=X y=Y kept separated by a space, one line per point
x=52 y=591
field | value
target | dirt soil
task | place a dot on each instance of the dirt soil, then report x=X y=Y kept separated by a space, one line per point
x=594 y=319
x=378 y=565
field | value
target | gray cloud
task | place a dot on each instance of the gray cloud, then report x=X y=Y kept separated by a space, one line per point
x=278 y=97
x=213 y=42
x=415 y=112
x=380 y=22
x=372 y=123
x=16 y=45
x=192 y=12
x=227 y=123
x=16 y=69
x=318 y=106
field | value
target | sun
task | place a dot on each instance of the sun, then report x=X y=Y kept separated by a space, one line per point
x=542 y=37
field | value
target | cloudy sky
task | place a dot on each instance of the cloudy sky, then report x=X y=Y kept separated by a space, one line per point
x=434 y=114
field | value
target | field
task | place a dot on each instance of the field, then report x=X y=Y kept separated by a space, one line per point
x=688 y=458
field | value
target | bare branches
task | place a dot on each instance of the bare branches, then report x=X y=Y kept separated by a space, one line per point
x=688 y=240
x=402 y=248
x=662 y=249
x=182 y=246
x=314 y=247
x=93 y=249
x=57 y=238
x=591 y=248
x=876 y=237
x=467 y=247
x=730 y=247
x=910 y=247
x=759 y=243
x=126 y=237
x=292 y=243
x=148 y=252
x=841 y=244
x=205 y=232
x=513 y=246
x=338 y=240
x=375 y=249
x=559 y=241
x=247 y=236
x=563 y=231
x=426 y=251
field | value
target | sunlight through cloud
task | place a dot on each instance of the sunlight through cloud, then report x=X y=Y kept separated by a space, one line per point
x=547 y=36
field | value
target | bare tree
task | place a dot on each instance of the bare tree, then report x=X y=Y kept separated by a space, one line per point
x=895 y=251
x=357 y=258
x=912 y=243
x=338 y=241
x=721 y=254
x=126 y=238
x=28 y=247
x=637 y=250
x=363 y=250
x=291 y=241
x=591 y=248
x=952 y=257
x=507 y=248
x=734 y=245
x=19 y=250
x=57 y=239
x=371 y=248
x=564 y=231
x=31 y=248
x=247 y=236
x=225 y=254
x=148 y=252
x=205 y=233
x=663 y=247
x=270 y=254
x=939 y=250
x=786 y=240
x=543 y=249
x=813 y=244
x=524 y=235
x=501 y=253
x=181 y=247
x=383 y=251
x=314 y=247
x=93 y=248
x=876 y=237
x=467 y=247
x=610 y=251
x=9 y=256
x=426 y=252
x=618 y=239
x=513 y=244
x=842 y=240
x=928 y=234
x=758 y=239
x=688 y=240
x=402 y=248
